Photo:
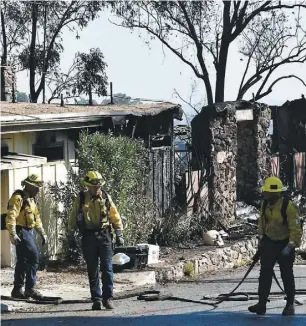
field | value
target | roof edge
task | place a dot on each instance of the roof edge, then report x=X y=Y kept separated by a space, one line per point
x=74 y=116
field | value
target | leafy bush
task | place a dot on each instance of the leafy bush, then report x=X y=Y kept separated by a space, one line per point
x=123 y=163
x=64 y=195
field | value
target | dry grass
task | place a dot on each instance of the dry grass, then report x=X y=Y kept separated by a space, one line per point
x=189 y=269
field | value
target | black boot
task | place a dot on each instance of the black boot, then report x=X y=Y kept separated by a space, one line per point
x=34 y=294
x=289 y=310
x=97 y=305
x=18 y=293
x=108 y=304
x=259 y=308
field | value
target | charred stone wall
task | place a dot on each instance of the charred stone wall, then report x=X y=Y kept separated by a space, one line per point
x=234 y=152
x=253 y=164
x=222 y=185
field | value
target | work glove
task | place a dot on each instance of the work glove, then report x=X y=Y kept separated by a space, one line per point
x=260 y=242
x=43 y=235
x=44 y=239
x=119 y=239
x=287 y=250
x=15 y=240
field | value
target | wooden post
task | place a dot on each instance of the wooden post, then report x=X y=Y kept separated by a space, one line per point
x=134 y=128
x=111 y=92
x=62 y=100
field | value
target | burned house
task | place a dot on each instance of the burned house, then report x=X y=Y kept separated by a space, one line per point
x=289 y=142
x=41 y=138
x=229 y=153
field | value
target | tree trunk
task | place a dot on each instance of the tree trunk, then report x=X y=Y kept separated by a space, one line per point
x=209 y=94
x=49 y=48
x=3 y=58
x=45 y=35
x=223 y=54
x=90 y=95
x=3 y=94
x=221 y=70
x=32 y=59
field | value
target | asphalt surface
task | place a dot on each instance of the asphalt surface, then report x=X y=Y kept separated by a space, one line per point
x=167 y=313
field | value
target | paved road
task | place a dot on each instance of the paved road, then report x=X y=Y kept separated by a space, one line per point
x=131 y=312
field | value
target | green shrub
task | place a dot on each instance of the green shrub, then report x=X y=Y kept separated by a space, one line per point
x=189 y=269
x=123 y=163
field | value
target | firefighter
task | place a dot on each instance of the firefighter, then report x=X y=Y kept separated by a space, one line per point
x=21 y=220
x=94 y=214
x=280 y=233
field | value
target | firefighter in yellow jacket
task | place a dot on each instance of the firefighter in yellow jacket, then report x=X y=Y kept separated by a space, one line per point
x=93 y=214
x=280 y=233
x=21 y=219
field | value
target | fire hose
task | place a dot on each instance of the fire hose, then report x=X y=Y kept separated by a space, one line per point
x=154 y=295
x=245 y=296
x=232 y=296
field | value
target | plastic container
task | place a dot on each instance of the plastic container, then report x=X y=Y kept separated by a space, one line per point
x=153 y=252
x=120 y=259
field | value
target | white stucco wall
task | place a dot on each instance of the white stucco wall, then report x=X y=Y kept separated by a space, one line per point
x=49 y=172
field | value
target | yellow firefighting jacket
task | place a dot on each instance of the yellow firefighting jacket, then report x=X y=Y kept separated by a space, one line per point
x=92 y=210
x=21 y=213
x=271 y=223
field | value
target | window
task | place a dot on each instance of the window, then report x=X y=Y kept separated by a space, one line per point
x=48 y=146
x=52 y=151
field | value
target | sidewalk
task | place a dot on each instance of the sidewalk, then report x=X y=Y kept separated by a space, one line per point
x=70 y=285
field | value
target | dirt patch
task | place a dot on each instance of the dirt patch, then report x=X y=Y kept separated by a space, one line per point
x=46 y=278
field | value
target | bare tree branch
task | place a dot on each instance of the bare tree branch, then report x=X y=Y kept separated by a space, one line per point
x=269 y=90
x=197 y=73
x=244 y=21
x=263 y=8
x=263 y=84
x=239 y=97
x=188 y=103
x=199 y=53
x=209 y=28
x=258 y=76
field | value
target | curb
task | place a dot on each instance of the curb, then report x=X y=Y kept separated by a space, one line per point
x=236 y=255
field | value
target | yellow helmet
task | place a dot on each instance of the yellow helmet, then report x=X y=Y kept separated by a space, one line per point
x=33 y=180
x=273 y=184
x=93 y=178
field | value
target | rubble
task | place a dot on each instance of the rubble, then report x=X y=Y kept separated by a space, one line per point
x=246 y=212
x=300 y=201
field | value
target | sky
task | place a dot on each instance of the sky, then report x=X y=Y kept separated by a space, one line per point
x=154 y=72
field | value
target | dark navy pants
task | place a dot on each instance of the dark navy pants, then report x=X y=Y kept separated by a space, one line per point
x=270 y=254
x=98 y=253
x=27 y=259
